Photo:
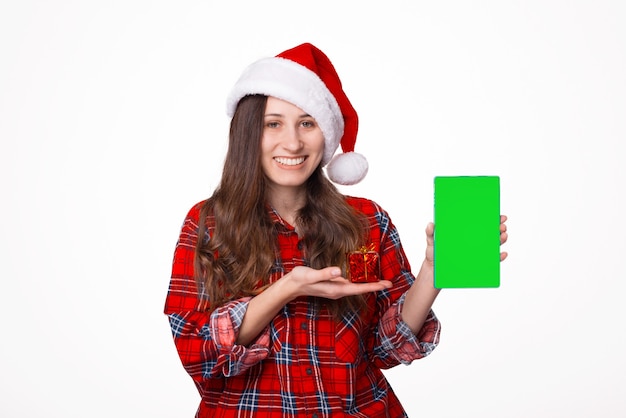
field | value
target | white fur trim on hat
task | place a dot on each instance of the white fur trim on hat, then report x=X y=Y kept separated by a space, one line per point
x=296 y=84
x=347 y=168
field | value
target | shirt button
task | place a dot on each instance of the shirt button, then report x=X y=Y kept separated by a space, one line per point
x=304 y=325
x=314 y=416
x=309 y=371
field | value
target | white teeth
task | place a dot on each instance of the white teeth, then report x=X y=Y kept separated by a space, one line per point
x=289 y=161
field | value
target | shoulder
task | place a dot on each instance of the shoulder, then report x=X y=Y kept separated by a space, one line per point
x=377 y=217
x=192 y=220
x=194 y=213
x=365 y=206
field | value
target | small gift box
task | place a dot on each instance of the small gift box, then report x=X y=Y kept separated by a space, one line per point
x=364 y=265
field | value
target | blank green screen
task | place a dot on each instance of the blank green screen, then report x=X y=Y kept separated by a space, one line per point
x=467 y=231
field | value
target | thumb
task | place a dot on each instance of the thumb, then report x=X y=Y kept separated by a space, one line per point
x=430 y=233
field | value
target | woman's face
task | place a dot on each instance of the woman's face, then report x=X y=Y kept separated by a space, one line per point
x=292 y=144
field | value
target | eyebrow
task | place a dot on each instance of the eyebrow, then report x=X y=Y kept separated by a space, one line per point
x=280 y=115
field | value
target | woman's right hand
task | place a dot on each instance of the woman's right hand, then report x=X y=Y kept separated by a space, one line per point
x=327 y=283
x=301 y=281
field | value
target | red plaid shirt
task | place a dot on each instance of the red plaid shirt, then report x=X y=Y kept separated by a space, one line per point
x=305 y=363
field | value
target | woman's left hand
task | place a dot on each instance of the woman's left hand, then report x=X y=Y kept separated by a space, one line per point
x=503 y=235
x=422 y=294
x=430 y=240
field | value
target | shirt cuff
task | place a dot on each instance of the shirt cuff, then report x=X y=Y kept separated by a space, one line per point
x=398 y=340
x=225 y=324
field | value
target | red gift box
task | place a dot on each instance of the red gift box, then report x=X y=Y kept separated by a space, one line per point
x=364 y=265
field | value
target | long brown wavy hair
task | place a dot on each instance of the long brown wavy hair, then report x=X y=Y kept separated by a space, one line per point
x=237 y=259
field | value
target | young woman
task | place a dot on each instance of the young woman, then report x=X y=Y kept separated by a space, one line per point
x=263 y=316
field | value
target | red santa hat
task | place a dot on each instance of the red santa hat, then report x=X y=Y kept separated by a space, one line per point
x=305 y=77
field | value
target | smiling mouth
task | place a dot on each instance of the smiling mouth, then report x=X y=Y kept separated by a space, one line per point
x=289 y=161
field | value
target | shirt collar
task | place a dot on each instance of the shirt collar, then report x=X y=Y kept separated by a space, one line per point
x=278 y=221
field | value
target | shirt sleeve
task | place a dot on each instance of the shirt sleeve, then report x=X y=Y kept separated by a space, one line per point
x=394 y=342
x=206 y=342
x=397 y=343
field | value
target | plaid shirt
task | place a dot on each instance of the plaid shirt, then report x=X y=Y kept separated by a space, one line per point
x=305 y=363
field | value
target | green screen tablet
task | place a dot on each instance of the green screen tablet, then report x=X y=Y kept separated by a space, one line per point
x=467 y=231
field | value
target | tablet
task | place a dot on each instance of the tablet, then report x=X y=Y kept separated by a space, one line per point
x=467 y=231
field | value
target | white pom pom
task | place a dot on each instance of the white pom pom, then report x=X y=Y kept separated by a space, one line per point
x=347 y=168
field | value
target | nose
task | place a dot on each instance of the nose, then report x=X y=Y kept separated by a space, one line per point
x=293 y=140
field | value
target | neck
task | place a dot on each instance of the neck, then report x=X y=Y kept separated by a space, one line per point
x=287 y=202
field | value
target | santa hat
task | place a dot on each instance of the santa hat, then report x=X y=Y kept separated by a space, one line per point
x=305 y=77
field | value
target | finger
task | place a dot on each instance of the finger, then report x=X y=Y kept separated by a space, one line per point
x=328 y=273
x=503 y=228
x=372 y=286
x=308 y=275
x=361 y=288
x=332 y=271
x=503 y=256
x=503 y=237
x=339 y=287
x=430 y=233
x=503 y=218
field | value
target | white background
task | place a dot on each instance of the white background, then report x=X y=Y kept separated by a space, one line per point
x=112 y=125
